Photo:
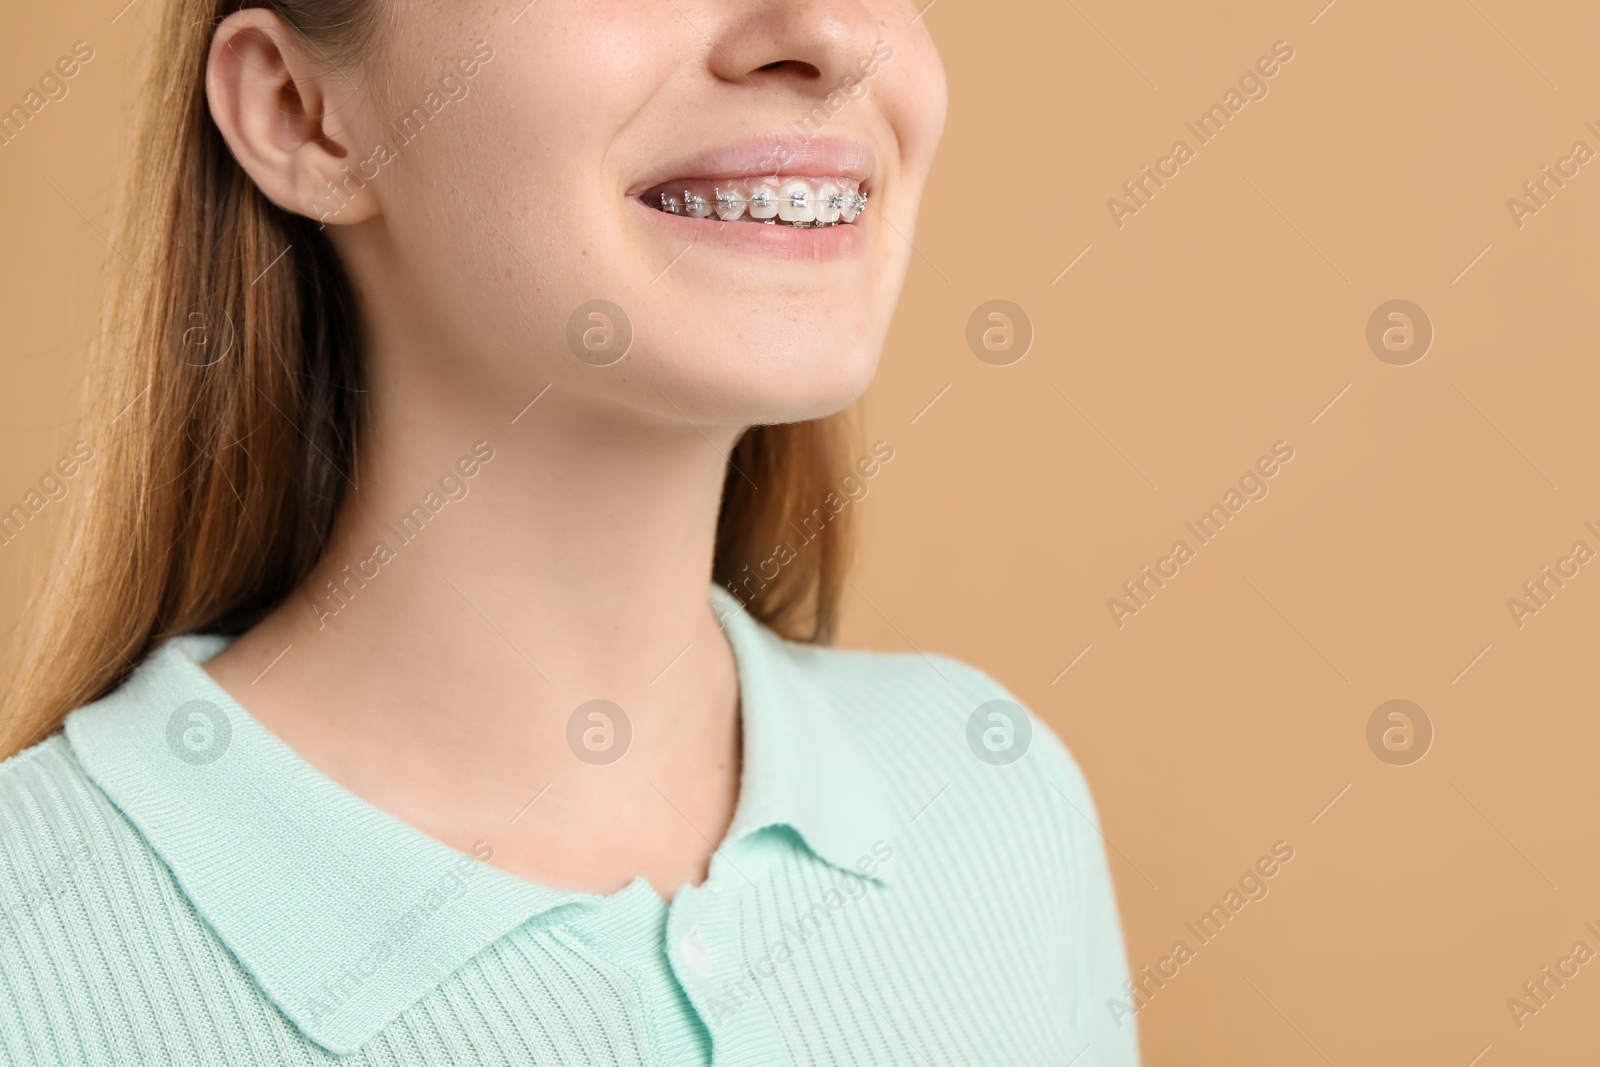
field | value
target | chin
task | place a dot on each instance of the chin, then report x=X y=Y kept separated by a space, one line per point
x=792 y=384
x=812 y=400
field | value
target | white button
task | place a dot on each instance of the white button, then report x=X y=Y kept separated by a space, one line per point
x=693 y=951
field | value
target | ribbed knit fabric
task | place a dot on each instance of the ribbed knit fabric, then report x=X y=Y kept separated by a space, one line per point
x=898 y=886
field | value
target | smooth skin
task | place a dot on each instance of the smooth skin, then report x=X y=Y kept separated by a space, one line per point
x=577 y=566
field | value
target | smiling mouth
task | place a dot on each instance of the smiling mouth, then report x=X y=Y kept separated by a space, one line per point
x=795 y=201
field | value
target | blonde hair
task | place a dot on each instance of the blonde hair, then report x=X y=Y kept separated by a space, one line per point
x=216 y=480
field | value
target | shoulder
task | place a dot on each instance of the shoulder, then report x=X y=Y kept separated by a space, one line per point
x=57 y=831
x=72 y=867
x=88 y=911
x=73 y=862
x=48 y=807
x=53 y=811
x=55 y=826
x=933 y=717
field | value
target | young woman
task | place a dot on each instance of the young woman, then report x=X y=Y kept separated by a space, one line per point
x=436 y=669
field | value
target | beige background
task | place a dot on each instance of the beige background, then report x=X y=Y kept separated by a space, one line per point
x=1224 y=316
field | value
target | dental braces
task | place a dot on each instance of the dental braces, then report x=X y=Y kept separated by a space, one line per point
x=692 y=202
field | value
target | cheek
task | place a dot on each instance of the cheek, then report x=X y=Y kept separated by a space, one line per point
x=498 y=210
x=506 y=216
x=540 y=114
x=912 y=89
x=526 y=151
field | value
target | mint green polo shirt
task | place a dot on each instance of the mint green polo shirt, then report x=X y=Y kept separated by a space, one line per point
x=914 y=875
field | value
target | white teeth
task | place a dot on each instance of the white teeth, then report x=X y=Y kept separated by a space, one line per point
x=763 y=205
x=795 y=201
x=799 y=202
x=695 y=206
x=730 y=205
x=828 y=203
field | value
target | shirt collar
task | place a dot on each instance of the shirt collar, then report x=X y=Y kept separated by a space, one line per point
x=346 y=916
x=803 y=768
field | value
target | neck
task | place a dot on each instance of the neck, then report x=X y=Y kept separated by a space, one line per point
x=485 y=578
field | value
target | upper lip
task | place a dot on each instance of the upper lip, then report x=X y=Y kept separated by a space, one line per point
x=787 y=155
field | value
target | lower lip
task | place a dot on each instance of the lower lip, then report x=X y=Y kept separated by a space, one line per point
x=781 y=241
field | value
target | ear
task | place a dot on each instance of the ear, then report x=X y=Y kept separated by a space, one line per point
x=278 y=111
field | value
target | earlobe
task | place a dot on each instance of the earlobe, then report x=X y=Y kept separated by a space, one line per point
x=272 y=106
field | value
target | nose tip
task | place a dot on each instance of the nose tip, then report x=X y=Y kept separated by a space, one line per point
x=808 y=47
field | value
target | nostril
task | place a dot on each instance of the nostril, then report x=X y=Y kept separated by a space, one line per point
x=795 y=67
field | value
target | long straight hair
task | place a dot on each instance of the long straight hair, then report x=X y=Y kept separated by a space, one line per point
x=225 y=399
